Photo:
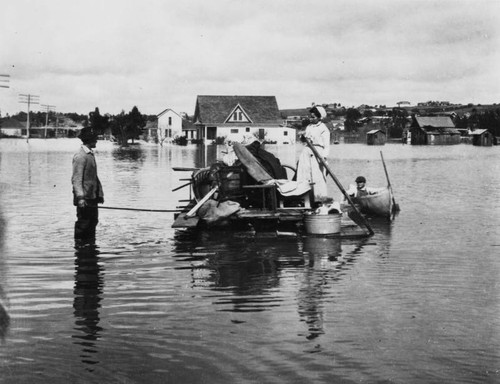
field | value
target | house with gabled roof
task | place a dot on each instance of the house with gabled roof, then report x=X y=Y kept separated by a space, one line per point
x=169 y=125
x=434 y=130
x=237 y=117
x=12 y=127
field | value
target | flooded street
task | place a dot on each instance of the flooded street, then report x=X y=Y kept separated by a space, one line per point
x=418 y=302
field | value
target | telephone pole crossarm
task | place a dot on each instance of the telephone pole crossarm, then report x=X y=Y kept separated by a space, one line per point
x=4 y=81
x=48 y=108
x=28 y=99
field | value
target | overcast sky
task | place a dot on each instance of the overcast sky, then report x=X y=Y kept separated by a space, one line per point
x=158 y=54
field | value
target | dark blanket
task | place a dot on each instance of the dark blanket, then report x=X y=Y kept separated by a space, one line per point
x=270 y=162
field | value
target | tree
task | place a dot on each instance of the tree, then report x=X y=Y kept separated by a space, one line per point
x=98 y=123
x=352 y=114
x=135 y=123
x=127 y=126
x=490 y=120
x=399 y=121
x=117 y=125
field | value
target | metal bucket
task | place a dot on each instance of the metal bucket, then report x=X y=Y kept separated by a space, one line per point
x=322 y=224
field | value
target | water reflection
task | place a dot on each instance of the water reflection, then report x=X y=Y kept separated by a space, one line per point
x=4 y=316
x=132 y=153
x=247 y=265
x=254 y=267
x=87 y=301
x=318 y=251
x=382 y=238
x=205 y=155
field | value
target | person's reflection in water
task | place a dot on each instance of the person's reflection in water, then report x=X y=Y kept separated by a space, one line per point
x=4 y=316
x=4 y=322
x=88 y=291
x=319 y=253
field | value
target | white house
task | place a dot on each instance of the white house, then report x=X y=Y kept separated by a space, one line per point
x=236 y=117
x=12 y=127
x=169 y=125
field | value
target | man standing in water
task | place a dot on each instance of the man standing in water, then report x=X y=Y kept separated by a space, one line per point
x=87 y=189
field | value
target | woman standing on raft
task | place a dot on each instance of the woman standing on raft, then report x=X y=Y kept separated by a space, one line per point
x=308 y=168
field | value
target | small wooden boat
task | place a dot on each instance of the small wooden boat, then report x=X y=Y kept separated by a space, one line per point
x=378 y=204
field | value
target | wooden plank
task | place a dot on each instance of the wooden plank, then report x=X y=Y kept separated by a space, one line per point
x=182 y=221
x=193 y=210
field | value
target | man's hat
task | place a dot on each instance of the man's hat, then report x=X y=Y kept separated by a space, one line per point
x=360 y=179
x=87 y=135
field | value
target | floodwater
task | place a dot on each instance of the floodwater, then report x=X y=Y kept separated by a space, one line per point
x=418 y=302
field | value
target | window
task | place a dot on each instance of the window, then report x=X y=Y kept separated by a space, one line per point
x=247 y=129
x=235 y=130
x=170 y=120
x=238 y=115
x=285 y=133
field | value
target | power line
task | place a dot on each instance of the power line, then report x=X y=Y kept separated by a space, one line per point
x=4 y=81
x=28 y=99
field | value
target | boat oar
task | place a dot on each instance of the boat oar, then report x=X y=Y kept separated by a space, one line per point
x=320 y=160
x=395 y=206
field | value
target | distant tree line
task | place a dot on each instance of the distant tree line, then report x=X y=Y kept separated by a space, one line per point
x=123 y=127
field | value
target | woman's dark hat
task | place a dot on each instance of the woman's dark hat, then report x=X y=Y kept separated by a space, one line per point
x=87 y=135
x=360 y=179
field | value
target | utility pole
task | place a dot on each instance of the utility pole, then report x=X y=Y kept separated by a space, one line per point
x=4 y=83
x=50 y=108
x=28 y=99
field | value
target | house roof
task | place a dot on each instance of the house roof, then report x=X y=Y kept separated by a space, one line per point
x=434 y=121
x=453 y=131
x=187 y=125
x=216 y=109
x=10 y=123
x=374 y=131
x=165 y=111
x=478 y=131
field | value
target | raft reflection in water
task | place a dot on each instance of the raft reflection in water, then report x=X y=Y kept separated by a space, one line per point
x=255 y=268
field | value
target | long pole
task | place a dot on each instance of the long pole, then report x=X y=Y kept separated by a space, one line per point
x=395 y=206
x=140 y=209
x=342 y=189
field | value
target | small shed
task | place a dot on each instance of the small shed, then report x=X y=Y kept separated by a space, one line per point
x=434 y=130
x=482 y=138
x=376 y=137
